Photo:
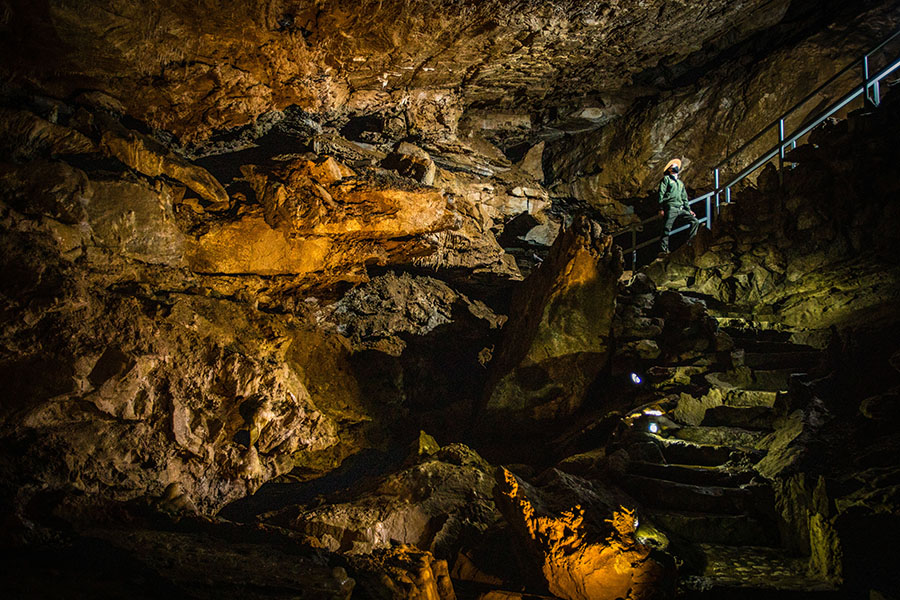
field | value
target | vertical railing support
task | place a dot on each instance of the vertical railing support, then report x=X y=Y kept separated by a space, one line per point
x=781 y=152
x=716 y=177
x=874 y=99
x=708 y=213
x=633 y=248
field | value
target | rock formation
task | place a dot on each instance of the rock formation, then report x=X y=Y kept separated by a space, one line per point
x=249 y=255
x=576 y=566
x=558 y=339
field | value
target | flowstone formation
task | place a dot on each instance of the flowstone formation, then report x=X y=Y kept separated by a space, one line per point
x=321 y=300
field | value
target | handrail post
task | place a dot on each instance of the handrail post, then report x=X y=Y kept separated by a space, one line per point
x=716 y=177
x=874 y=99
x=633 y=248
x=780 y=152
x=708 y=213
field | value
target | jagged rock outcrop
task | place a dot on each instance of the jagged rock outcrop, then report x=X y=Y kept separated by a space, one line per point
x=579 y=562
x=431 y=504
x=117 y=393
x=404 y=573
x=379 y=314
x=557 y=339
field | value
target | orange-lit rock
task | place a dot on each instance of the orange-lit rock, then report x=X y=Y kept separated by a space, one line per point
x=317 y=217
x=306 y=198
x=151 y=158
x=250 y=245
x=576 y=564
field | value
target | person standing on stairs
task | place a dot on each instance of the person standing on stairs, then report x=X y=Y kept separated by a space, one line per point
x=673 y=203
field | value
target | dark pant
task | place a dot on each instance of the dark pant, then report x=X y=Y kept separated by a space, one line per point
x=673 y=214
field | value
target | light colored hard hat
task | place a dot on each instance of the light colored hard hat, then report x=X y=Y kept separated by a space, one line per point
x=675 y=162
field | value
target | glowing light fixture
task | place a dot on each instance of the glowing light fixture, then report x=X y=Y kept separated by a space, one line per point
x=636 y=379
x=653 y=412
x=653 y=428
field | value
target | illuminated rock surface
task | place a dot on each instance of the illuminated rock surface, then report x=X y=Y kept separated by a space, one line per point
x=577 y=564
x=249 y=255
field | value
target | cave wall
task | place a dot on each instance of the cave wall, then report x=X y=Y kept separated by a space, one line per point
x=705 y=120
x=239 y=243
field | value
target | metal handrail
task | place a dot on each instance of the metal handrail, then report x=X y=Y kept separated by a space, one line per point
x=870 y=83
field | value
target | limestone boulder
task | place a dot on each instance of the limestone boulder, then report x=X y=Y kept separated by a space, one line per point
x=380 y=313
x=49 y=188
x=27 y=136
x=305 y=201
x=557 y=339
x=430 y=504
x=317 y=221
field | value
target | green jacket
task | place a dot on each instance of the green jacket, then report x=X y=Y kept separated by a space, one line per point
x=672 y=193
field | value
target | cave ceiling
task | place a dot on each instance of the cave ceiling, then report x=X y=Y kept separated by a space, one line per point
x=193 y=68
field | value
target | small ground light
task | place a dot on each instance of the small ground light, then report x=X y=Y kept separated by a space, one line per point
x=653 y=428
x=636 y=379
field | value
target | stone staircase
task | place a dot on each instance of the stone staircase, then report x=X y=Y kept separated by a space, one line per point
x=694 y=478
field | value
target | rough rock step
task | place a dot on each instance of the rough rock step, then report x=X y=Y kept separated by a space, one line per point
x=799 y=360
x=654 y=448
x=760 y=335
x=754 y=344
x=659 y=493
x=767 y=380
x=765 y=570
x=774 y=380
x=748 y=398
x=693 y=474
x=750 y=417
x=734 y=437
x=735 y=530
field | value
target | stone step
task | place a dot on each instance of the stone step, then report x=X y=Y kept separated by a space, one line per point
x=649 y=447
x=747 y=398
x=756 y=345
x=732 y=437
x=755 y=572
x=693 y=474
x=756 y=334
x=759 y=418
x=736 y=530
x=802 y=361
x=767 y=380
x=660 y=493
